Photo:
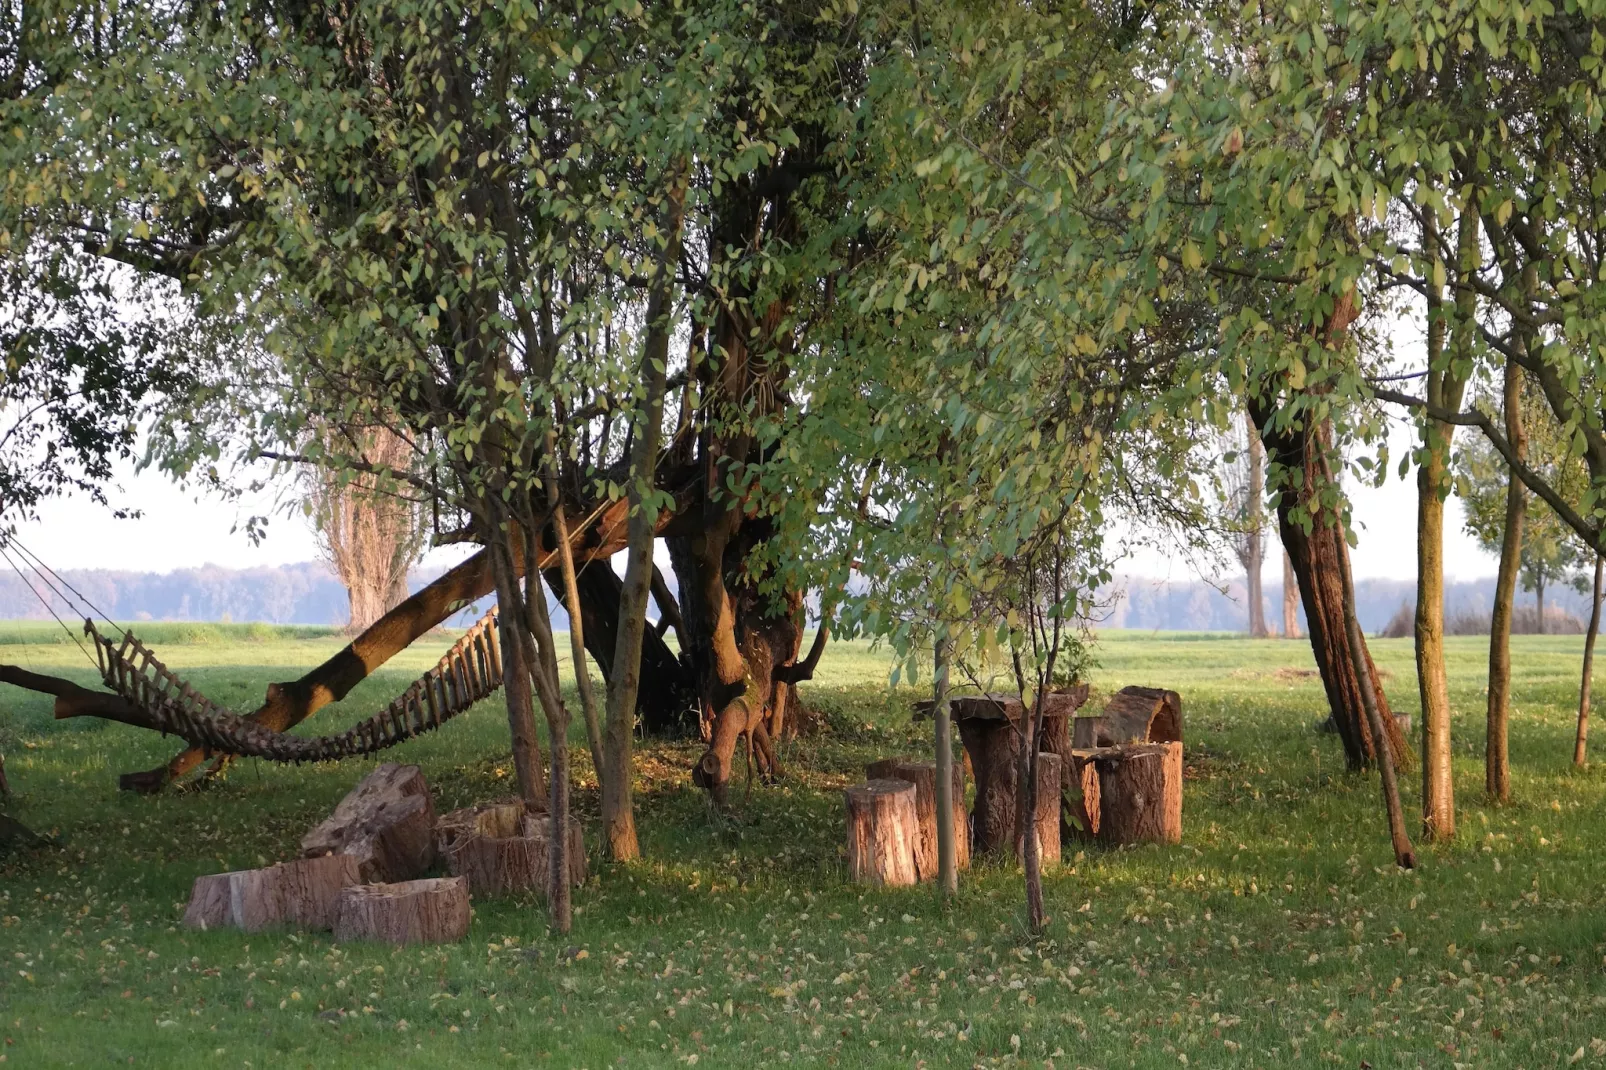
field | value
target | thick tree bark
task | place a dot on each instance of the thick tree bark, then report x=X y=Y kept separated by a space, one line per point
x=1290 y=599
x=1496 y=767
x=1586 y=685
x=1320 y=562
x=667 y=700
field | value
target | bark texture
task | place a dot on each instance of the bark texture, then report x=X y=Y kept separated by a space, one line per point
x=883 y=831
x=1290 y=599
x=386 y=823
x=501 y=849
x=1320 y=559
x=1140 y=793
x=430 y=911
x=1496 y=762
x=923 y=775
x=301 y=894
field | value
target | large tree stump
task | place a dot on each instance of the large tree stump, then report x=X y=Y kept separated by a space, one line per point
x=430 y=911
x=923 y=775
x=1140 y=793
x=1046 y=823
x=882 y=832
x=300 y=893
x=387 y=823
x=501 y=849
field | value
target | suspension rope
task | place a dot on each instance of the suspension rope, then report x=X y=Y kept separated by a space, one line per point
x=46 y=603
x=84 y=599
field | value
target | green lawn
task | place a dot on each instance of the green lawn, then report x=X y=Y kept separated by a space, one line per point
x=1278 y=934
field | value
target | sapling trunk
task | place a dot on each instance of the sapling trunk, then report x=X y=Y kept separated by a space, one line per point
x=1496 y=762
x=571 y=606
x=1586 y=685
x=947 y=853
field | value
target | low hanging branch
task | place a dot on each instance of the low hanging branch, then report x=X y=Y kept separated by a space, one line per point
x=1592 y=536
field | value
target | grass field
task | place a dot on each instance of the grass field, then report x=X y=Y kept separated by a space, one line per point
x=1278 y=934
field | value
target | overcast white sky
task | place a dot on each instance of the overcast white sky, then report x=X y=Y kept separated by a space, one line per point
x=179 y=531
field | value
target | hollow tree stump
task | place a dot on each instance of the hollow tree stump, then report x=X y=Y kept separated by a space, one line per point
x=1046 y=823
x=1133 y=715
x=387 y=823
x=500 y=849
x=430 y=911
x=882 y=832
x=1140 y=793
x=923 y=775
x=300 y=893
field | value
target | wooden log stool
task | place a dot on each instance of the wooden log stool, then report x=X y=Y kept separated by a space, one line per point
x=882 y=832
x=430 y=911
x=387 y=823
x=1133 y=715
x=301 y=893
x=501 y=849
x=923 y=775
x=1140 y=793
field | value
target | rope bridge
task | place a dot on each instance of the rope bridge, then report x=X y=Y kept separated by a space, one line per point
x=469 y=671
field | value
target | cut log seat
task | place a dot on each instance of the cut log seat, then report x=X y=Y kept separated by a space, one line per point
x=882 y=832
x=387 y=823
x=300 y=893
x=430 y=911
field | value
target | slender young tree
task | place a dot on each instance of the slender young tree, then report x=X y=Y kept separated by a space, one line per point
x=1586 y=685
x=1290 y=599
x=1496 y=766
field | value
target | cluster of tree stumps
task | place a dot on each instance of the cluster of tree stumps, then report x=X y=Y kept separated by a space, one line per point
x=1113 y=779
x=370 y=870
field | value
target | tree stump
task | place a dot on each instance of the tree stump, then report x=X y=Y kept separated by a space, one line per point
x=500 y=849
x=387 y=823
x=300 y=893
x=1083 y=779
x=1140 y=793
x=430 y=911
x=882 y=832
x=923 y=775
x=1136 y=715
x=1046 y=823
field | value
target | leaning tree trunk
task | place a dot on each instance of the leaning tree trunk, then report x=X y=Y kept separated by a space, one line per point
x=667 y=701
x=1581 y=740
x=1320 y=561
x=1496 y=765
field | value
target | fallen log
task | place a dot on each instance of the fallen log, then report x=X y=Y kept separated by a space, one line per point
x=386 y=823
x=300 y=893
x=882 y=831
x=430 y=911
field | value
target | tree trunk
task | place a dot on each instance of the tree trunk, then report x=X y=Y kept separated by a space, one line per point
x=1257 y=535
x=1320 y=560
x=369 y=535
x=301 y=893
x=1290 y=599
x=516 y=669
x=1496 y=767
x=1444 y=388
x=950 y=833
x=618 y=815
x=1539 y=603
x=667 y=699
x=1373 y=701
x=1586 y=685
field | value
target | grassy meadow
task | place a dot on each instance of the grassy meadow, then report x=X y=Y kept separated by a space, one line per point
x=1278 y=934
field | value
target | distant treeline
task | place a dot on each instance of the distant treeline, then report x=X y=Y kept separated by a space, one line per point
x=1198 y=606
x=308 y=593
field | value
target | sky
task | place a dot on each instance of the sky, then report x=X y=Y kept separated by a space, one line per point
x=180 y=529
